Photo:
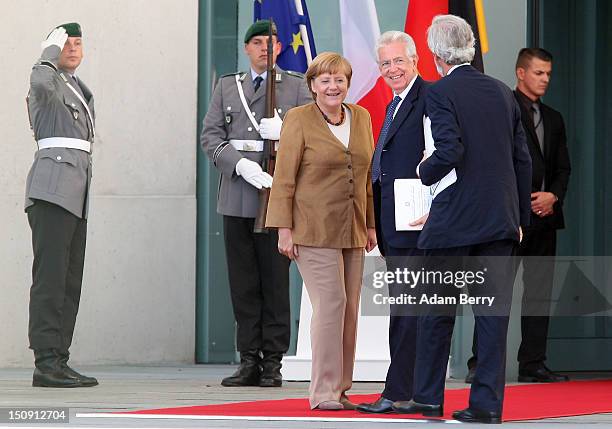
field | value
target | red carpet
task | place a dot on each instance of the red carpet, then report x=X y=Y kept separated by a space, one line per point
x=523 y=402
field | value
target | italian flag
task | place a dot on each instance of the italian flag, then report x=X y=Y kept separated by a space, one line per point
x=360 y=30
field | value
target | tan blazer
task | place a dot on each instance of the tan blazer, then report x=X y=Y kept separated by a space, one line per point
x=322 y=190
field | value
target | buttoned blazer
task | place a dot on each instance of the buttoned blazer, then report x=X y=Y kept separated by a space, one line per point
x=58 y=175
x=227 y=119
x=322 y=190
x=552 y=166
x=402 y=151
x=476 y=127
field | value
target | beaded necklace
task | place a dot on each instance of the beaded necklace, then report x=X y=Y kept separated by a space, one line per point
x=329 y=121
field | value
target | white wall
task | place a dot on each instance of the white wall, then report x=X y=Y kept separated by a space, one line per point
x=138 y=302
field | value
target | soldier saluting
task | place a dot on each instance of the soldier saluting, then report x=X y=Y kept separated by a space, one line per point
x=61 y=112
x=232 y=137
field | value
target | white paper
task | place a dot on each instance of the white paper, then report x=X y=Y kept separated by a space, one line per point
x=412 y=201
x=451 y=177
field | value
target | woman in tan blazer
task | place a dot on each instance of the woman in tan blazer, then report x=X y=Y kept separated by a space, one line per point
x=321 y=203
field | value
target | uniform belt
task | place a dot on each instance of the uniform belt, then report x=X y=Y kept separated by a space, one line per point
x=250 y=145
x=64 y=142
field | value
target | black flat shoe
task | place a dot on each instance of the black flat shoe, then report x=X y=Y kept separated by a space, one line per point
x=54 y=379
x=381 y=406
x=540 y=374
x=412 y=407
x=475 y=416
x=85 y=380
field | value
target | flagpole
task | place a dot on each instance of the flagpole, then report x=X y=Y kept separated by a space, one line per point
x=304 y=32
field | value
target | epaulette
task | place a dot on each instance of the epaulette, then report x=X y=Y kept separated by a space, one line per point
x=230 y=74
x=47 y=64
x=294 y=73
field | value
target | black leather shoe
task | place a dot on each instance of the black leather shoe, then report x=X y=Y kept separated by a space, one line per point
x=469 y=378
x=412 y=407
x=271 y=366
x=540 y=374
x=70 y=372
x=248 y=373
x=85 y=380
x=381 y=406
x=475 y=416
x=49 y=373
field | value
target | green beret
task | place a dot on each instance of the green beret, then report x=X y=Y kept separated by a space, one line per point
x=259 y=28
x=73 y=29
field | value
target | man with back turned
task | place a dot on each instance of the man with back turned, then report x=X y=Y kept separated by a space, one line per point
x=473 y=223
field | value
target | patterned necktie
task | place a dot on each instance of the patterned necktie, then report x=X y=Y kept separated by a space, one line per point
x=381 y=138
x=257 y=82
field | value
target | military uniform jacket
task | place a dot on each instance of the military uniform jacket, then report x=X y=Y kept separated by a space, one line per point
x=59 y=175
x=226 y=120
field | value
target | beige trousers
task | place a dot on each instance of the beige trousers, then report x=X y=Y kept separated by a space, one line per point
x=333 y=280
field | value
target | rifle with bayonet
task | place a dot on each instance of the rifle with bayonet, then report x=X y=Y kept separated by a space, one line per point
x=269 y=150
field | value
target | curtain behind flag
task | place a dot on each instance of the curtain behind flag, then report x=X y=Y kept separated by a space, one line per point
x=418 y=19
x=294 y=31
x=360 y=31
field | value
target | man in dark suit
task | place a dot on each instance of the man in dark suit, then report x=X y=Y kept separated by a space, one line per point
x=473 y=223
x=398 y=151
x=551 y=169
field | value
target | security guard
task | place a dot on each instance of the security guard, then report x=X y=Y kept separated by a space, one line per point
x=232 y=137
x=62 y=119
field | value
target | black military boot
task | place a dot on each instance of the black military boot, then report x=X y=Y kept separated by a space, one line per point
x=63 y=362
x=248 y=373
x=271 y=375
x=49 y=373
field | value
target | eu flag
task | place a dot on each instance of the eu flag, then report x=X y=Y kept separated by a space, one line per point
x=294 y=31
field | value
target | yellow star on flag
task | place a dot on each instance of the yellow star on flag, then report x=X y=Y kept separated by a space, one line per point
x=297 y=42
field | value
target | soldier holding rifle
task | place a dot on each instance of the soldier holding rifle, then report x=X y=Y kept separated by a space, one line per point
x=233 y=137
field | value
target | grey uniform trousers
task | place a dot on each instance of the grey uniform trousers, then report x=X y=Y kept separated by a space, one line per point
x=58 y=241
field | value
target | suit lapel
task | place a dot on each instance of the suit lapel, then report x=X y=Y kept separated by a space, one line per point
x=247 y=87
x=547 y=133
x=528 y=126
x=86 y=92
x=261 y=92
x=404 y=109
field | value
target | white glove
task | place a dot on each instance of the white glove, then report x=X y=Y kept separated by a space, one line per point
x=253 y=174
x=270 y=128
x=57 y=37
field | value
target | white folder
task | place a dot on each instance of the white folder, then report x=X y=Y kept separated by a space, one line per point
x=412 y=201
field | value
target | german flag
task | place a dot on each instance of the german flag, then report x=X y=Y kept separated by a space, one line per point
x=418 y=19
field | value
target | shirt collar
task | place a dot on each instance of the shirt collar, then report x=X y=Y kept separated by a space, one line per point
x=526 y=101
x=405 y=92
x=456 y=66
x=254 y=74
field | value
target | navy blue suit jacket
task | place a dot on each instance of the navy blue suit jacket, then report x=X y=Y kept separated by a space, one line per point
x=477 y=129
x=402 y=152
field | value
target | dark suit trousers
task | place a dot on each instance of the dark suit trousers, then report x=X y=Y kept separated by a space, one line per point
x=58 y=241
x=435 y=327
x=259 y=286
x=538 y=249
x=402 y=328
